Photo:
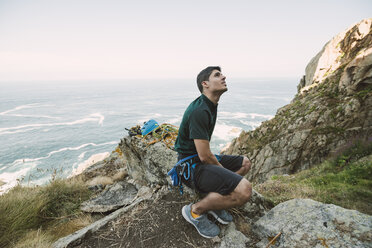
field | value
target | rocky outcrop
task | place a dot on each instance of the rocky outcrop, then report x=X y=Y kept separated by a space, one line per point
x=109 y=167
x=112 y=198
x=339 y=51
x=331 y=110
x=147 y=164
x=307 y=223
x=233 y=238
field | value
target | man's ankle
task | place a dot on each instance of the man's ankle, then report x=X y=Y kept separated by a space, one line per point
x=195 y=211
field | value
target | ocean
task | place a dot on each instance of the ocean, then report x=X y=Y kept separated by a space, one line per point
x=56 y=128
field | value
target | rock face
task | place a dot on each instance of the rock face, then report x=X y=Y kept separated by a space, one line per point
x=233 y=238
x=307 y=223
x=339 y=51
x=115 y=196
x=256 y=207
x=147 y=165
x=107 y=167
x=331 y=109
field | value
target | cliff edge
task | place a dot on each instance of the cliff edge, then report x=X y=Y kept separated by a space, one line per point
x=332 y=108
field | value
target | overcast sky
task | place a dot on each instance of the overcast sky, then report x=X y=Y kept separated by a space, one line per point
x=100 y=40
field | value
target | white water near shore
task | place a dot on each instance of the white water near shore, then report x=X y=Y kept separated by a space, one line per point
x=49 y=127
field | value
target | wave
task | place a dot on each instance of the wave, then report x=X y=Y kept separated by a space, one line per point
x=285 y=99
x=31 y=105
x=35 y=116
x=240 y=115
x=252 y=124
x=175 y=120
x=81 y=156
x=17 y=131
x=96 y=117
x=27 y=160
x=10 y=179
x=155 y=116
x=226 y=132
x=90 y=161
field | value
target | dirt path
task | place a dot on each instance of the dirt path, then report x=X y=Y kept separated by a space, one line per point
x=156 y=223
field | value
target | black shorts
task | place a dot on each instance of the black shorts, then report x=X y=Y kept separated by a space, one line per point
x=214 y=178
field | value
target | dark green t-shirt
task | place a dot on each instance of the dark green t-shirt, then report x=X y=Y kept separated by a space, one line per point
x=197 y=123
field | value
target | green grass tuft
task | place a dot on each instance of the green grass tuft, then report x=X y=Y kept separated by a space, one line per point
x=24 y=209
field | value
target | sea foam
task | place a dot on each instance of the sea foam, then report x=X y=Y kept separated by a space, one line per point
x=27 y=160
x=89 y=162
x=96 y=117
x=10 y=179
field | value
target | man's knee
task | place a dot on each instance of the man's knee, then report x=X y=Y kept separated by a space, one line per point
x=246 y=164
x=243 y=191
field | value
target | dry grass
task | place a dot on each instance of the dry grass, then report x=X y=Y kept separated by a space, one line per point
x=34 y=239
x=25 y=210
x=279 y=191
x=104 y=180
x=73 y=225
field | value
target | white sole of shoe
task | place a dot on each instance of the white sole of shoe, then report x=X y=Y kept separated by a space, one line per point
x=184 y=214
x=217 y=218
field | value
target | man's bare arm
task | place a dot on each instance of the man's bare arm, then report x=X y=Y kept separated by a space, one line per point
x=204 y=152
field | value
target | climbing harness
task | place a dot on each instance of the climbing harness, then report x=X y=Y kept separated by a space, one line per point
x=183 y=172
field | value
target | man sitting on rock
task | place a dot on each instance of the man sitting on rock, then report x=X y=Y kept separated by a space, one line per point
x=219 y=177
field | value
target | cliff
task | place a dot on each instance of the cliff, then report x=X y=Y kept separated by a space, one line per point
x=331 y=110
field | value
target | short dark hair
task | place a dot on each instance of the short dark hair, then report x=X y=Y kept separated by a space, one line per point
x=204 y=76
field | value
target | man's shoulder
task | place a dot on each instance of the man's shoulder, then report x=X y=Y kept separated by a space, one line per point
x=199 y=103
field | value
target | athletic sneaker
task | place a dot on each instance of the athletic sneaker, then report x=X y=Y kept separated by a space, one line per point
x=221 y=216
x=203 y=225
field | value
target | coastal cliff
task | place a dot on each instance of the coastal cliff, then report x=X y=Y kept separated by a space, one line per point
x=127 y=199
x=332 y=109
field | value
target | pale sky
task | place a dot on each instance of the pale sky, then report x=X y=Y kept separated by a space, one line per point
x=104 y=40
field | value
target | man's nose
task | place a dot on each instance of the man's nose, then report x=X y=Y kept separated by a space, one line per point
x=223 y=77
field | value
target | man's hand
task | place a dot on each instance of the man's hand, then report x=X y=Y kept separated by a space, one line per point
x=204 y=152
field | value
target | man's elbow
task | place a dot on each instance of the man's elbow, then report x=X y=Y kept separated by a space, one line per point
x=205 y=158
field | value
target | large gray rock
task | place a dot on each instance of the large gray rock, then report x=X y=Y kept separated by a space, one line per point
x=256 y=207
x=232 y=238
x=307 y=223
x=114 y=197
x=147 y=164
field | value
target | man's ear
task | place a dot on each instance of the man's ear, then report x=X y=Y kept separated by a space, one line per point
x=205 y=84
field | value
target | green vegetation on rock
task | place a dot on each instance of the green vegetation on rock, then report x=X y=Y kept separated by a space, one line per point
x=344 y=180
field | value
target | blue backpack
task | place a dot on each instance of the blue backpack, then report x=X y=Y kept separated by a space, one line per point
x=149 y=126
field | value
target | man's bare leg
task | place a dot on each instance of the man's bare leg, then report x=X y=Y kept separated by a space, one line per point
x=246 y=166
x=216 y=201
